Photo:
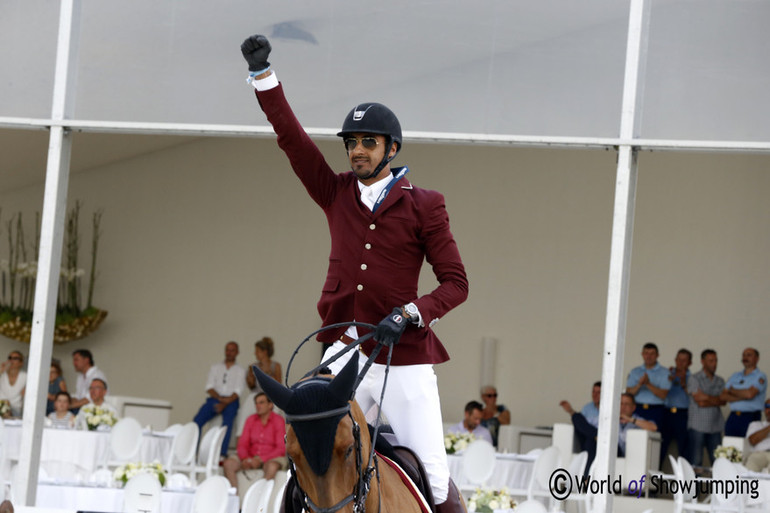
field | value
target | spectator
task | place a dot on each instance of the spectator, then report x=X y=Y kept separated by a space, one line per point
x=591 y=409
x=83 y=361
x=471 y=422
x=704 y=416
x=263 y=350
x=745 y=391
x=224 y=387
x=494 y=415
x=677 y=402
x=759 y=437
x=13 y=382
x=628 y=420
x=56 y=384
x=97 y=391
x=262 y=445
x=62 y=417
x=649 y=385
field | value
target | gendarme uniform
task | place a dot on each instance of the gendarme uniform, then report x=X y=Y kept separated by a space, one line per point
x=743 y=413
x=648 y=405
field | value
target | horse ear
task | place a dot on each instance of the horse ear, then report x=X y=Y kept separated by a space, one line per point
x=279 y=394
x=342 y=385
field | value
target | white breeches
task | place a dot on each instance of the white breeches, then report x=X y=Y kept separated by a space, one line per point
x=412 y=407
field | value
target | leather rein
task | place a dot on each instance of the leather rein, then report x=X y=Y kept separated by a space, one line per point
x=363 y=484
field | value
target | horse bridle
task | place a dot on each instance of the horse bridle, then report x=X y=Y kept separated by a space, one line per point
x=361 y=488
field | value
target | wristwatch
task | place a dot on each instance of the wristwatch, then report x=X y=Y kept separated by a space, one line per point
x=412 y=313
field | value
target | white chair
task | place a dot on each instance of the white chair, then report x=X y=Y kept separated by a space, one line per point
x=210 y=464
x=125 y=441
x=531 y=506
x=211 y=496
x=577 y=468
x=173 y=429
x=539 y=486
x=684 y=473
x=182 y=453
x=257 y=496
x=478 y=464
x=142 y=494
x=724 y=471
x=281 y=479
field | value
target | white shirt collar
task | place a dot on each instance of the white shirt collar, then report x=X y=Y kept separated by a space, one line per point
x=370 y=193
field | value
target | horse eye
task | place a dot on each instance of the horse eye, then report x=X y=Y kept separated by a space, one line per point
x=349 y=451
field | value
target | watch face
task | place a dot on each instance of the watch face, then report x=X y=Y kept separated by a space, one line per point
x=411 y=309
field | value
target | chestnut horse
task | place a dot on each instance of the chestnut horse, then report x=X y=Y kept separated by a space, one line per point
x=329 y=445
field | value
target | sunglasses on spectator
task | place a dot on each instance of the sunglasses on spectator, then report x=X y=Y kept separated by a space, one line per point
x=369 y=142
x=490 y=395
x=14 y=357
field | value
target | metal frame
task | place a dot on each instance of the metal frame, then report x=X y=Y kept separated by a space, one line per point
x=627 y=145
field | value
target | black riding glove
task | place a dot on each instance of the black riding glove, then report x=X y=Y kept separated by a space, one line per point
x=389 y=329
x=255 y=50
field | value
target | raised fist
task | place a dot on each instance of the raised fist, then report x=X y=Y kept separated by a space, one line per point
x=255 y=50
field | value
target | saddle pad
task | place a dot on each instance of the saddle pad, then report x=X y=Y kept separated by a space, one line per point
x=407 y=482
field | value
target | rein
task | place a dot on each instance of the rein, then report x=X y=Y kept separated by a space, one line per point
x=362 y=486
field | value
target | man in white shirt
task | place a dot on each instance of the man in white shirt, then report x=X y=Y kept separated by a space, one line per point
x=224 y=387
x=97 y=390
x=83 y=361
x=758 y=434
x=471 y=422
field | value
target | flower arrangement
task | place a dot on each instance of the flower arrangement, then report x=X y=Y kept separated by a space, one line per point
x=454 y=442
x=5 y=408
x=97 y=416
x=485 y=500
x=18 y=275
x=728 y=452
x=125 y=472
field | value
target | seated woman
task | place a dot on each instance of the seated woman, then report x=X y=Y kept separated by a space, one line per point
x=62 y=417
x=263 y=350
x=56 y=384
x=494 y=415
x=13 y=382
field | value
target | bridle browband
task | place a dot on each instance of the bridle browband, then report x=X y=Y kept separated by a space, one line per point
x=361 y=488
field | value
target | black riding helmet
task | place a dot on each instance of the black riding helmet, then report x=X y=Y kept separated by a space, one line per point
x=374 y=118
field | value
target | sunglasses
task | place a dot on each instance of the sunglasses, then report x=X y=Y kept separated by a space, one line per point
x=490 y=395
x=368 y=142
x=14 y=358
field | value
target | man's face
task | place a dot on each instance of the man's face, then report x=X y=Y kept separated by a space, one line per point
x=650 y=356
x=749 y=358
x=472 y=419
x=709 y=363
x=682 y=361
x=363 y=160
x=231 y=352
x=79 y=362
x=596 y=394
x=627 y=405
x=263 y=404
x=97 y=391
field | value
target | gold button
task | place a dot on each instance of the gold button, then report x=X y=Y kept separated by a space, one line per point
x=363 y=267
x=371 y=226
x=360 y=287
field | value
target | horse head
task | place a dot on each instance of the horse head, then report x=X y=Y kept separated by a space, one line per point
x=323 y=438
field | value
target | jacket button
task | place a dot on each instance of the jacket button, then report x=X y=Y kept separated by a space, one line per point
x=360 y=287
x=363 y=267
x=368 y=246
x=372 y=227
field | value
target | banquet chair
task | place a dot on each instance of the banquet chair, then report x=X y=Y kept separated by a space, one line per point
x=683 y=472
x=576 y=469
x=211 y=495
x=478 y=464
x=539 y=486
x=142 y=494
x=276 y=497
x=531 y=506
x=173 y=429
x=725 y=471
x=209 y=465
x=257 y=496
x=125 y=441
x=182 y=453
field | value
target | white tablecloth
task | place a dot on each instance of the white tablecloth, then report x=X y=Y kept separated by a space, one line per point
x=74 y=455
x=511 y=470
x=85 y=498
